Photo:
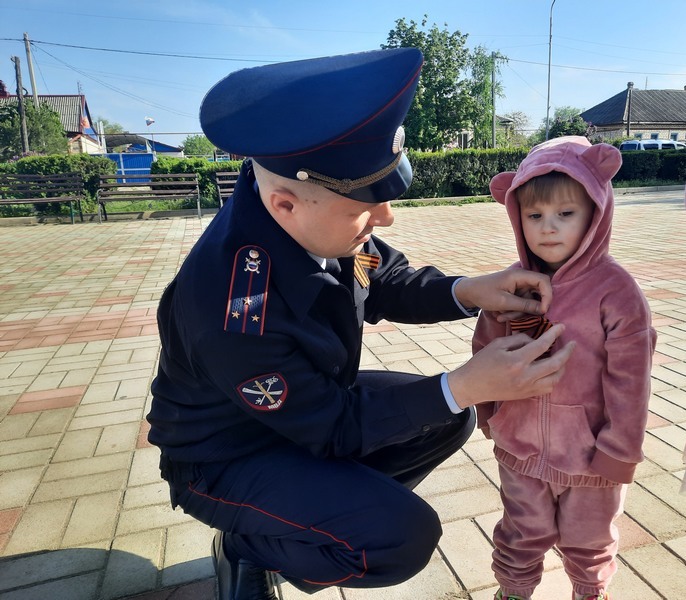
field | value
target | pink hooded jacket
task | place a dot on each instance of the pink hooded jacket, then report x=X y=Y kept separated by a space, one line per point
x=589 y=430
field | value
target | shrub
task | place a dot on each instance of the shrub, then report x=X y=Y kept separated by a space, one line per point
x=203 y=167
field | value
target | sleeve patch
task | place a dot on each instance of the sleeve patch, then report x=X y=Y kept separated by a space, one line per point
x=265 y=392
x=247 y=303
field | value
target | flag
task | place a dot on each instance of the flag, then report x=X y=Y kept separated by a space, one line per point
x=149 y=121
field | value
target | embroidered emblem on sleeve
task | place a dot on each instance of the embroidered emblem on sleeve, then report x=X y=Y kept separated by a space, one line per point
x=247 y=301
x=365 y=261
x=266 y=392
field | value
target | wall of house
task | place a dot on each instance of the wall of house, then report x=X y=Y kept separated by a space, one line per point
x=643 y=133
x=83 y=145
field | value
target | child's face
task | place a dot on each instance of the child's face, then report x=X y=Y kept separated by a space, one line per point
x=554 y=229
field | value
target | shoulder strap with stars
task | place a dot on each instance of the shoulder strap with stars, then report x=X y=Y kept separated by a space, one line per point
x=247 y=301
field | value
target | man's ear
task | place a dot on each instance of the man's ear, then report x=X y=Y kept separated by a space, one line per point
x=281 y=203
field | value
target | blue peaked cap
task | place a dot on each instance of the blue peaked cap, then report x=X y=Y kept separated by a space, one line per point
x=333 y=121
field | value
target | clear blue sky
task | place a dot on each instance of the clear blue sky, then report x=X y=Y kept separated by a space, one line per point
x=597 y=47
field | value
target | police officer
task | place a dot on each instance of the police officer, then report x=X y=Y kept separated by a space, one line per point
x=267 y=430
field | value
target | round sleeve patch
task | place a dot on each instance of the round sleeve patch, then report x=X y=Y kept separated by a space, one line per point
x=264 y=392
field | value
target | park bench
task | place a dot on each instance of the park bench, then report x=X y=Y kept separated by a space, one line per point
x=147 y=187
x=225 y=182
x=17 y=188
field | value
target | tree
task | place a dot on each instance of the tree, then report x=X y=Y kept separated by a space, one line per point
x=514 y=135
x=483 y=91
x=441 y=106
x=197 y=145
x=46 y=134
x=574 y=126
x=110 y=126
x=566 y=121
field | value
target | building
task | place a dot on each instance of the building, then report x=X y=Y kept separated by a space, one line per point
x=74 y=116
x=641 y=114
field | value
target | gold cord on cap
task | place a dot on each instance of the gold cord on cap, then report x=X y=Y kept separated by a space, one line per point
x=345 y=186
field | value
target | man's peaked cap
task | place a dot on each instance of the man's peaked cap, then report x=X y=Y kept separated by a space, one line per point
x=333 y=121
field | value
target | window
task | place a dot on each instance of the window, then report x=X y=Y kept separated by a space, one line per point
x=673 y=136
x=653 y=136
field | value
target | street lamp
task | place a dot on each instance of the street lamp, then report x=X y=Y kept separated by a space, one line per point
x=550 y=55
x=149 y=121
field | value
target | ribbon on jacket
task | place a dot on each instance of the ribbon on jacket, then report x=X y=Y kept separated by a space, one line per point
x=365 y=261
x=534 y=326
x=539 y=324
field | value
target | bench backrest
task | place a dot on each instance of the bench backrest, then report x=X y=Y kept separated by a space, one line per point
x=226 y=182
x=39 y=187
x=156 y=186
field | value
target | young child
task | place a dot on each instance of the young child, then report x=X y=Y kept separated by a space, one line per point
x=565 y=458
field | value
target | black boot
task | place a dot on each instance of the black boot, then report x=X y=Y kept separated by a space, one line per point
x=240 y=579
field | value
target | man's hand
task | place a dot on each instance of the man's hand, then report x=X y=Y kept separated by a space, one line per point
x=507 y=369
x=511 y=293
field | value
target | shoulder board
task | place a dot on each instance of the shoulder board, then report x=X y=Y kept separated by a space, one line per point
x=247 y=303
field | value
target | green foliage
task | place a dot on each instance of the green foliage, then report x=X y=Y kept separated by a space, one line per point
x=110 y=126
x=639 y=165
x=565 y=121
x=89 y=166
x=45 y=132
x=459 y=172
x=441 y=105
x=647 y=165
x=483 y=65
x=197 y=145
x=430 y=175
x=574 y=126
x=203 y=167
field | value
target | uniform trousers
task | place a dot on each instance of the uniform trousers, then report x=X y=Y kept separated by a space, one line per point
x=579 y=521
x=326 y=521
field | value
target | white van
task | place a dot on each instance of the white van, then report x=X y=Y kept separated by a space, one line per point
x=652 y=145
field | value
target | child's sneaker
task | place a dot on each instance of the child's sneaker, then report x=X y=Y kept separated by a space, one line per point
x=499 y=596
x=600 y=596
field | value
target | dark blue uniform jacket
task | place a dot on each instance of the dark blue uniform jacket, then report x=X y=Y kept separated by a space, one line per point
x=237 y=377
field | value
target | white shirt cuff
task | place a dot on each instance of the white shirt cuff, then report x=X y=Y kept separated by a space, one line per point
x=470 y=312
x=448 y=395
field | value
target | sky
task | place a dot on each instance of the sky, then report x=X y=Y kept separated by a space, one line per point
x=158 y=58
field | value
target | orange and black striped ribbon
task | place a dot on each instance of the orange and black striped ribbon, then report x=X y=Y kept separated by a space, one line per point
x=534 y=326
x=365 y=261
x=538 y=324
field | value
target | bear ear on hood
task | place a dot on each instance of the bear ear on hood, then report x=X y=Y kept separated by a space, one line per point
x=500 y=184
x=604 y=159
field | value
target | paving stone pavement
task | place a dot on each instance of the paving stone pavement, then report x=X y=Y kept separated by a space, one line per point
x=83 y=512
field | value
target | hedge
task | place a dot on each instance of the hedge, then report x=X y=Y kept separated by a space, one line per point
x=436 y=174
x=203 y=167
x=90 y=167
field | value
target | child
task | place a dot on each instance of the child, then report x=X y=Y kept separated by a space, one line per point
x=565 y=458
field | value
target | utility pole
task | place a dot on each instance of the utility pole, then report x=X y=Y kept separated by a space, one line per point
x=550 y=56
x=22 y=110
x=34 y=91
x=493 y=98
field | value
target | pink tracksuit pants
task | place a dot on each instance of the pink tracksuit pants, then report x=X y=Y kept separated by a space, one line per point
x=579 y=521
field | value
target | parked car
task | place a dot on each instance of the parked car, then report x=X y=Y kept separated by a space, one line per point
x=652 y=145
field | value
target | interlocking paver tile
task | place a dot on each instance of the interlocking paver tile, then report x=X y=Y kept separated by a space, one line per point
x=77 y=310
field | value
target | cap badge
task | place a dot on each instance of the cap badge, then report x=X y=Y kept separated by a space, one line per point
x=398 y=140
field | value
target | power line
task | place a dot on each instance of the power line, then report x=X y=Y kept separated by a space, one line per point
x=204 y=57
x=117 y=90
x=141 y=52
x=531 y=62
